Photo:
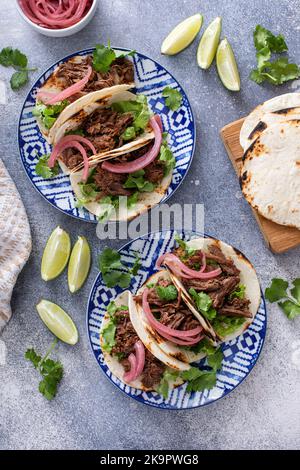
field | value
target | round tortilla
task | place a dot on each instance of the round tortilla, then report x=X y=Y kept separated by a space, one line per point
x=280 y=108
x=176 y=352
x=248 y=277
x=116 y=367
x=270 y=175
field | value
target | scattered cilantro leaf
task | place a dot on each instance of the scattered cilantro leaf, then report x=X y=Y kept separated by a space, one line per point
x=168 y=376
x=173 y=98
x=168 y=293
x=136 y=180
x=203 y=303
x=138 y=108
x=114 y=272
x=14 y=58
x=129 y=133
x=48 y=114
x=204 y=346
x=215 y=360
x=184 y=246
x=280 y=70
x=198 y=379
x=224 y=325
x=50 y=370
x=18 y=79
x=42 y=169
x=166 y=156
x=136 y=265
x=104 y=56
x=277 y=290
x=290 y=301
x=239 y=292
x=108 y=336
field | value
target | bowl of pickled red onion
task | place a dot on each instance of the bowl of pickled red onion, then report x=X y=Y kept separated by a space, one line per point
x=57 y=18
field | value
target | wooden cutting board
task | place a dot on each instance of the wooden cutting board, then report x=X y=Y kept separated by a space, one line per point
x=278 y=237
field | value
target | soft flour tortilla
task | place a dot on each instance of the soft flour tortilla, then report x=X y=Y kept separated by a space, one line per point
x=146 y=200
x=116 y=367
x=169 y=348
x=270 y=175
x=280 y=108
x=248 y=277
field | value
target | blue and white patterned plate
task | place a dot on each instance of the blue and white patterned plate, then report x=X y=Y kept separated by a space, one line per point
x=150 y=78
x=240 y=354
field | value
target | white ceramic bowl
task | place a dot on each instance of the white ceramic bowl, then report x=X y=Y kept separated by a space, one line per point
x=59 y=33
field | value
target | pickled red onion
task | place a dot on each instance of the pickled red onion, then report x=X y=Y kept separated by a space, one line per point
x=140 y=358
x=57 y=14
x=179 y=268
x=72 y=141
x=176 y=336
x=50 y=99
x=145 y=160
x=131 y=374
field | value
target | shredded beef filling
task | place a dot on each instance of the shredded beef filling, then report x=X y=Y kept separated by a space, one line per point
x=121 y=71
x=220 y=288
x=125 y=340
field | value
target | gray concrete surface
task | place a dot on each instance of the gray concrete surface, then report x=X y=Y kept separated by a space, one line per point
x=264 y=412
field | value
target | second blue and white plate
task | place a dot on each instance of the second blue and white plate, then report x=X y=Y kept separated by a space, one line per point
x=240 y=354
x=151 y=78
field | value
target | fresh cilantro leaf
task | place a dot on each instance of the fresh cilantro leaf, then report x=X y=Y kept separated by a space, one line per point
x=132 y=199
x=167 y=157
x=277 y=290
x=136 y=265
x=163 y=387
x=13 y=57
x=224 y=326
x=278 y=71
x=129 y=133
x=173 y=98
x=265 y=38
x=204 y=346
x=50 y=370
x=136 y=180
x=206 y=381
x=113 y=271
x=138 y=108
x=168 y=293
x=103 y=57
x=183 y=244
x=126 y=54
x=48 y=114
x=290 y=308
x=215 y=360
x=203 y=303
x=296 y=290
x=32 y=356
x=42 y=168
x=239 y=292
x=108 y=336
x=18 y=79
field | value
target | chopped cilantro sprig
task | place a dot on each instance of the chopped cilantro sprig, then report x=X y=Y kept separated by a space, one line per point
x=50 y=370
x=289 y=302
x=10 y=57
x=114 y=271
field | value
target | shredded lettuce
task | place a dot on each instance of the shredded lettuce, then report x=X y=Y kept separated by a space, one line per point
x=49 y=114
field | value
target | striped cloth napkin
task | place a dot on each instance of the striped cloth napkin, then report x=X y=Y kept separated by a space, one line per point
x=15 y=241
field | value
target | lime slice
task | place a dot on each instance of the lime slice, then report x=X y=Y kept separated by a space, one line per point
x=56 y=254
x=227 y=67
x=209 y=43
x=182 y=35
x=79 y=264
x=58 y=321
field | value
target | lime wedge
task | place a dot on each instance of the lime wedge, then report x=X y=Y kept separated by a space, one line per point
x=79 y=264
x=227 y=67
x=209 y=43
x=182 y=35
x=58 y=321
x=56 y=254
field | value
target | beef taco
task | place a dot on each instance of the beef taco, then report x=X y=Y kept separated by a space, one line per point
x=125 y=353
x=69 y=87
x=218 y=284
x=134 y=178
